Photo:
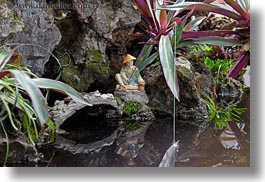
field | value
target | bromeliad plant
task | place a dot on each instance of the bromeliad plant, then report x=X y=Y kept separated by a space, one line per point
x=22 y=103
x=168 y=27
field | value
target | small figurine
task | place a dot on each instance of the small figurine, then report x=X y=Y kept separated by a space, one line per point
x=129 y=78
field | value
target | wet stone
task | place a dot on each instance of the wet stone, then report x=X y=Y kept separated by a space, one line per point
x=134 y=96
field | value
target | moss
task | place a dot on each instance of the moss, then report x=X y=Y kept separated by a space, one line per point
x=131 y=108
x=95 y=56
x=81 y=76
x=97 y=64
x=131 y=125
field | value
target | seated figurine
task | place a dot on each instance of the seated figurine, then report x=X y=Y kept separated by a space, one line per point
x=129 y=77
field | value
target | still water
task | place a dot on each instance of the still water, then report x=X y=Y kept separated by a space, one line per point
x=199 y=146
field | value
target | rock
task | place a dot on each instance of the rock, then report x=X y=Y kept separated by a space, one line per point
x=20 y=152
x=65 y=109
x=135 y=105
x=39 y=31
x=134 y=96
x=195 y=81
x=82 y=73
x=10 y=21
x=113 y=20
x=229 y=92
x=99 y=30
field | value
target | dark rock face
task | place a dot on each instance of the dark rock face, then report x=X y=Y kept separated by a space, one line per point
x=20 y=152
x=113 y=20
x=87 y=41
x=196 y=82
x=39 y=30
x=104 y=29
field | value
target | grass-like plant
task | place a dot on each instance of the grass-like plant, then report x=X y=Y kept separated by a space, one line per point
x=221 y=116
x=219 y=66
x=22 y=104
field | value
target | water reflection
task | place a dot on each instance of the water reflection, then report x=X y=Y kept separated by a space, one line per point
x=200 y=145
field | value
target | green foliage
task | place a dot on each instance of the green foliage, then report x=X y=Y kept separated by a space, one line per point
x=130 y=125
x=95 y=67
x=22 y=104
x=221 y=116
x=164 y=23
x=200 y=48
x=219 y=67
x=168 y=65
x=53 y=127
x=131 y=108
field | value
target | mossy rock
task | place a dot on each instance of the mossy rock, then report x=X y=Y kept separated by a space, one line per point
x=131 y=125
x=81 y=76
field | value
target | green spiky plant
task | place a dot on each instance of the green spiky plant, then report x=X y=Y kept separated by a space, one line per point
x=221 y=116
x=219 y=67
x=23 y=105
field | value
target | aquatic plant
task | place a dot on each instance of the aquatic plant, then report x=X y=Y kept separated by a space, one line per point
x=22 y=102
x=221 y=116
x=167 y=25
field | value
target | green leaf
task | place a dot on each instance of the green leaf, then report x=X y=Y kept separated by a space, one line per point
x=3 y=55
x=243 y=4
x=37 y=99
x=176 y=6
x=177 y=33
x=145 y=52
x=60 y=87
x=212 y=8
x=194 y=24
x=158 y=13
x=52 y=125
x=152 y=13
x=148 y=61
x=4 y=58
x=8 y=112
x=238 y=8
x=168 y=65
x=209 y=40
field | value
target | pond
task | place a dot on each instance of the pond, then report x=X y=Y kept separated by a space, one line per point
x=199 y=145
